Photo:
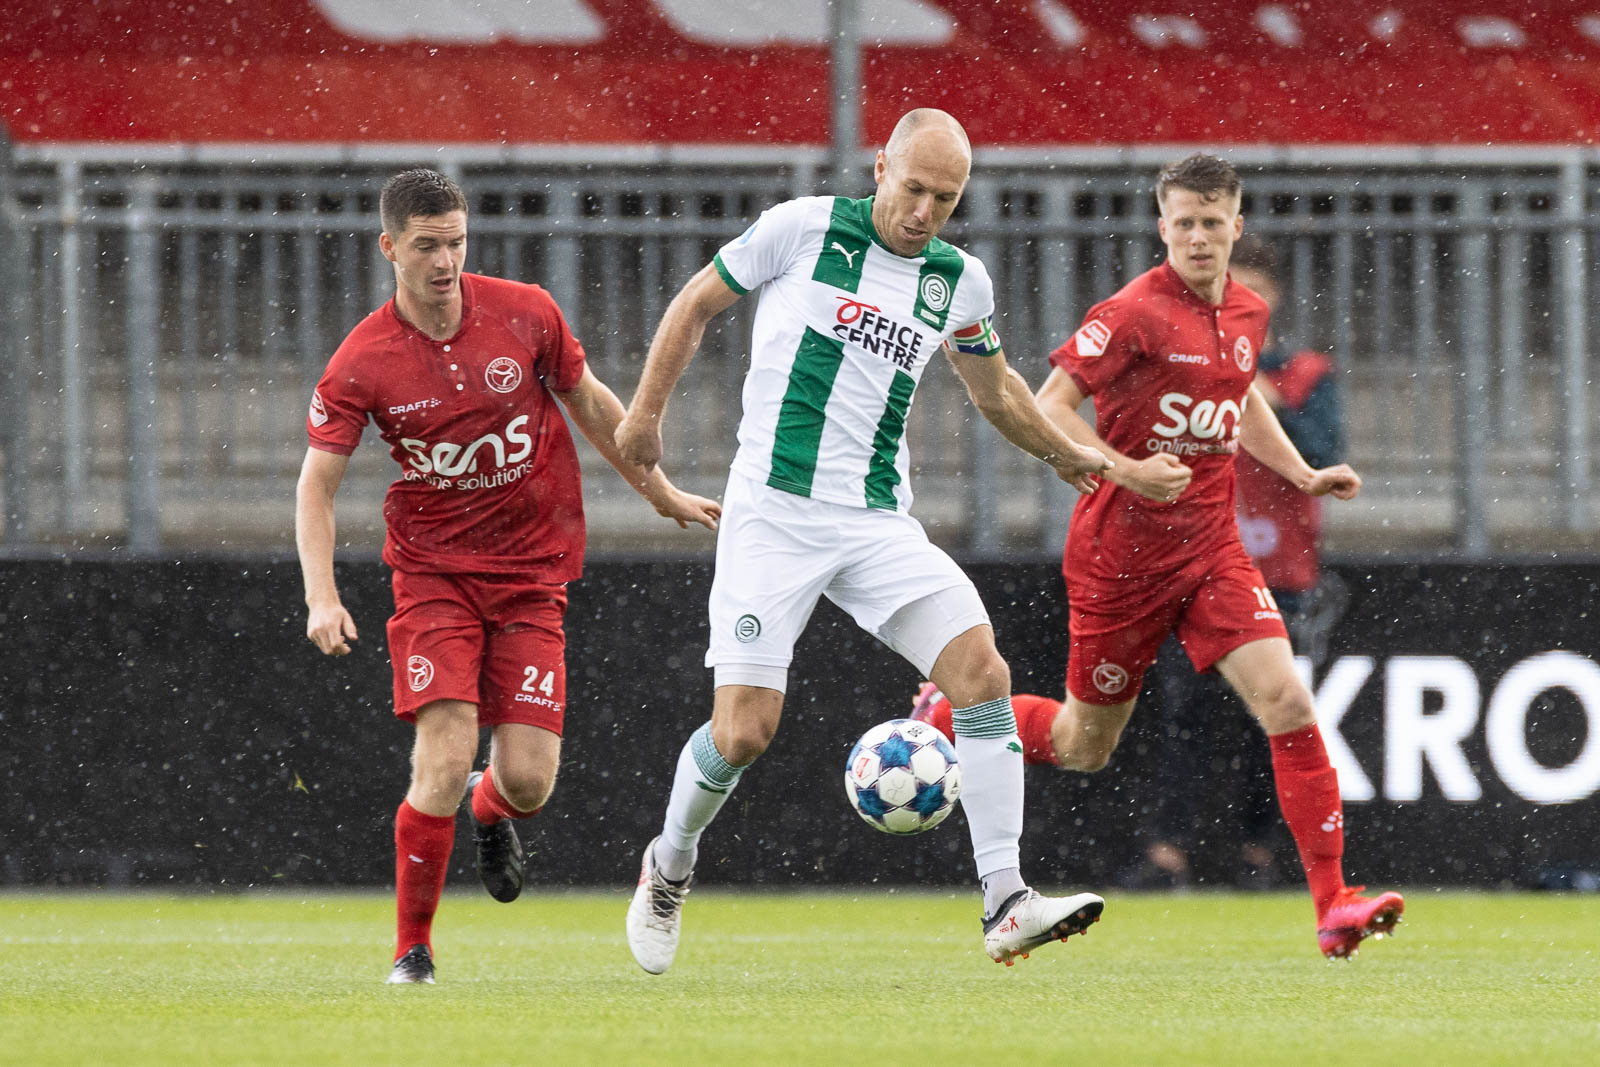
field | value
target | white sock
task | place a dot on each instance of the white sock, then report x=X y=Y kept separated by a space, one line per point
x=699 y=789
x=991 y=784
x=999 y=887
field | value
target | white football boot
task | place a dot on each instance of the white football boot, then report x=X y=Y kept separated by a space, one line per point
x=655 y=915
x=1027 y=920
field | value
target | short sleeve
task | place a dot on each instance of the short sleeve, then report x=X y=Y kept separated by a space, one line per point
x=339 y=406
x=765 y=250
x=975 y=296
x=1102 y=347
x=971 y=324
x=560 y=360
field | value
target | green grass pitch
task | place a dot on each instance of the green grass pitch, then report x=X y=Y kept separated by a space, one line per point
x=772 y=978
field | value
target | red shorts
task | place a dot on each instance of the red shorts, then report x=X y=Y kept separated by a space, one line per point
x=492 y=641
x=1216 y=604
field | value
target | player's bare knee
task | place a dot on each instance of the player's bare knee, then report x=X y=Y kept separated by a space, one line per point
x=742 y=741
x=982 y=678
x=1082 y=754
x=1085 y=738
x=1284 y=707
x=527 y=789
x=441 y=774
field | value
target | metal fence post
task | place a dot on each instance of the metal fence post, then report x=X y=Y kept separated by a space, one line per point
x=1572 y=270
x=1473 y=433
x=844 y=31
x=563 y=250
x=143 y=290
x=74 y=379
x=13 y=377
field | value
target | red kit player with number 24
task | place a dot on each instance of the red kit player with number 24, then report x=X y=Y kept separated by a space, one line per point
x=461 y=374
x=1170 y=361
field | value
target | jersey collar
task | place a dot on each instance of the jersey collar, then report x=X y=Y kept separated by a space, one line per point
x=407 y=326
x=1174 y=281
x=865 y=207
x=929 y=251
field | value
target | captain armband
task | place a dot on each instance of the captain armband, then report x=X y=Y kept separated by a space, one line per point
x=979 y=339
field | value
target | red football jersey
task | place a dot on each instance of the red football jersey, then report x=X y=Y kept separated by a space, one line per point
x=489 y=480
x=1168 y=373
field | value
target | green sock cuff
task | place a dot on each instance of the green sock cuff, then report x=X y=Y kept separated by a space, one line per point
x=709 y=761
x=994 y=719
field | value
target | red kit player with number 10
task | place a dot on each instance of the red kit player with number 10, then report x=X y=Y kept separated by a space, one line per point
x=461 y=374
x=1170 y=361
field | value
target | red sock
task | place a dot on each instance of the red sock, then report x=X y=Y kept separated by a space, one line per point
x=1035 y=716
x=422 y=846
x=1308 y=793
x=939 y=717
x=490 y=805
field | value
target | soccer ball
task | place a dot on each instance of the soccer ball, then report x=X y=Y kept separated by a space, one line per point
x=903 y=777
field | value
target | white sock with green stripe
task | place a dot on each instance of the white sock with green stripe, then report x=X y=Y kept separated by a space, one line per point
x=991 y=788
x=699 y=789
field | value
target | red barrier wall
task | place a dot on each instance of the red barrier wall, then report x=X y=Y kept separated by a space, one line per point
x=1292 y=72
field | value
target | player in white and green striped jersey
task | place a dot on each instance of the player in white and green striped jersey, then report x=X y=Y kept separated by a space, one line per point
x=856 y=297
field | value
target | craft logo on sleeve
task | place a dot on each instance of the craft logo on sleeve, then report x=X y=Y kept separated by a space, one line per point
x=1092 y=338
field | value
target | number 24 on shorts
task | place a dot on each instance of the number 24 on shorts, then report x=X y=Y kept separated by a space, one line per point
x=534 y=682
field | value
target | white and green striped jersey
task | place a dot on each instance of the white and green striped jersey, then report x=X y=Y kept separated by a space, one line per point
x=843 y=331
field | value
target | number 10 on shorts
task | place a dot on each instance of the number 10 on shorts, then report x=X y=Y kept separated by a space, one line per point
x=1263 y=597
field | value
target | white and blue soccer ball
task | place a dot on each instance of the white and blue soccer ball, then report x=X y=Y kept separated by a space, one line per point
x=903 y=777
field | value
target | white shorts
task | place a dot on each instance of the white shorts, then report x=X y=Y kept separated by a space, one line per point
x=778 y=552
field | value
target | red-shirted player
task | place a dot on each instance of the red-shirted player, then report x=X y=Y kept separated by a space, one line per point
x=461 y=374
x=1170 y=361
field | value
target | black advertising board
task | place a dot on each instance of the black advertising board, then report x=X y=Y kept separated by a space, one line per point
x=167 y=723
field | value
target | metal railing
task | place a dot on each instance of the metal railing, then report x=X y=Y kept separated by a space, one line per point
x=175 y=308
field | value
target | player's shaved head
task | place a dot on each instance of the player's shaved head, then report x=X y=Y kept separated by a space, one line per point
x=921 y=174
x=927 y=125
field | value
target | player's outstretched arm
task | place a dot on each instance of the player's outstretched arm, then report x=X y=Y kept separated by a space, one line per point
x=597 y=413
x=676 y=340
x=1261 y=435
x=328 y=624
x=1005 y=400
x=1160 y=477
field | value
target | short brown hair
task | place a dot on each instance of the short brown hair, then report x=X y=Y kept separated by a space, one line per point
x=1252 y=253
x=1208 y=176
x=414 y=192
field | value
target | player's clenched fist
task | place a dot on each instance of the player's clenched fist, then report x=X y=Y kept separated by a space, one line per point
x=1079 y=467
x=1340 y=480
x=639 y=440
x=330 y=628
x=1160 y=477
